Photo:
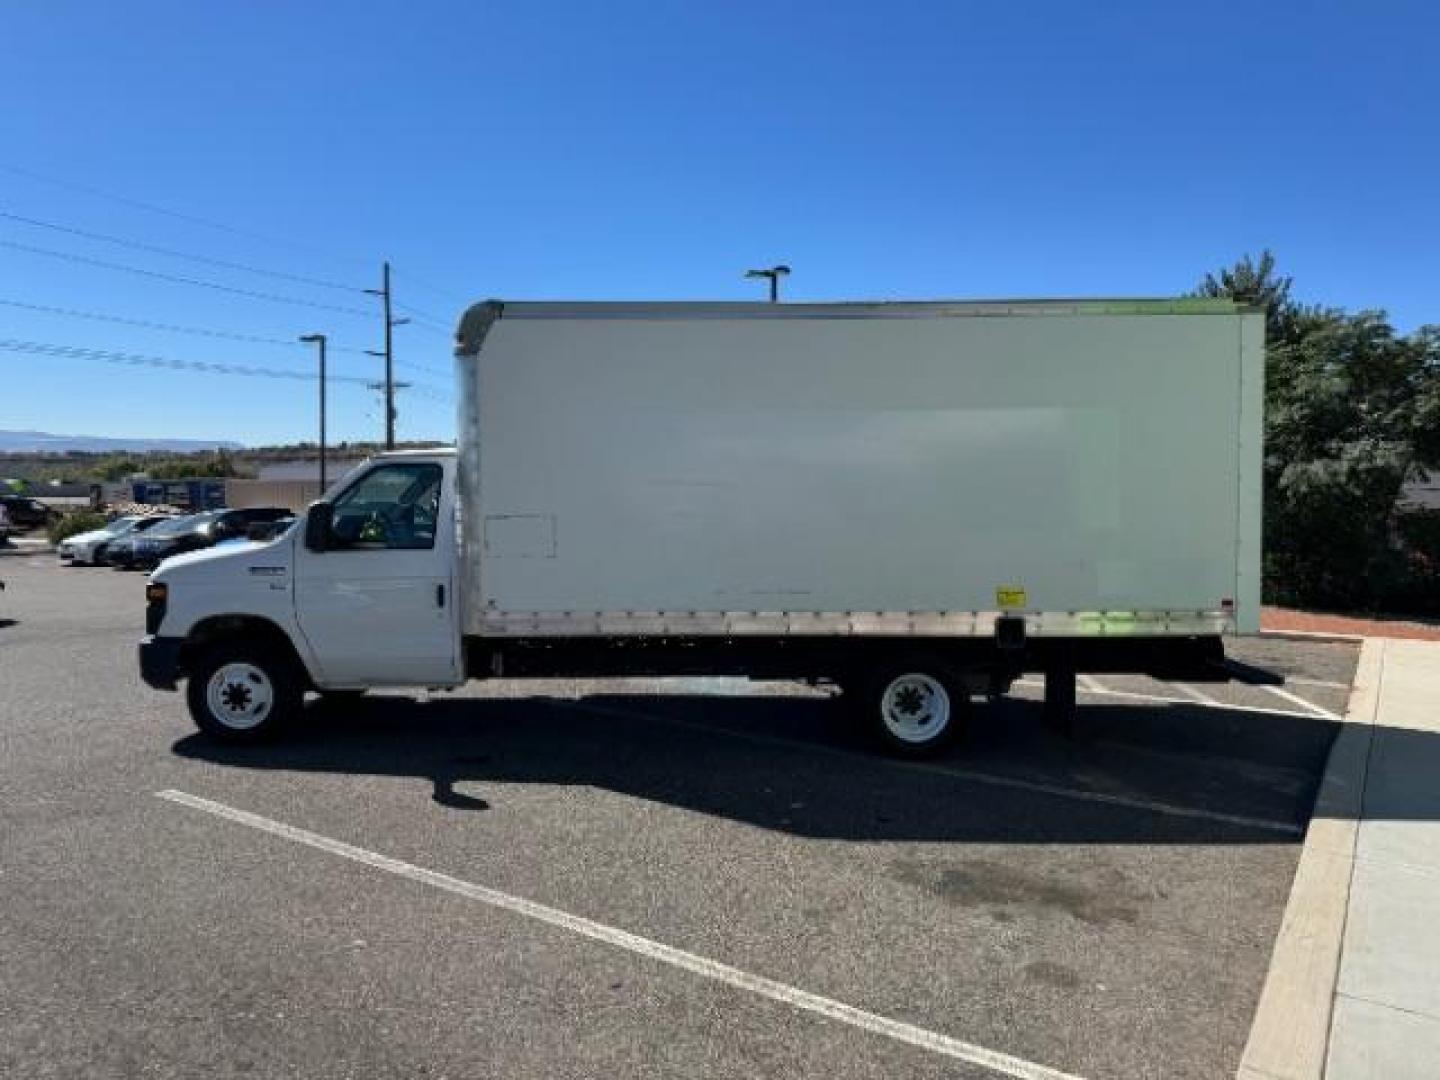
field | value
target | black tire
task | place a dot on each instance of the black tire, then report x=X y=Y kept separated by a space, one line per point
x=914 y=707
x=255 y=675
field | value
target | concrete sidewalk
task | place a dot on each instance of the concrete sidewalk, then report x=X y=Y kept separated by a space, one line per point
x=1386 y=1020
x=1354 y=985
x=28 y=545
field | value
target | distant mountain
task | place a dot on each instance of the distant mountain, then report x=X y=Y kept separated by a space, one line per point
x=42 y=442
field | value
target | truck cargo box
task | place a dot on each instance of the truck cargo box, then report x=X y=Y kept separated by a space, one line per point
x=880 y=468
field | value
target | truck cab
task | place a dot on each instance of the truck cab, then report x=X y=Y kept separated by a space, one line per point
x=360 y=594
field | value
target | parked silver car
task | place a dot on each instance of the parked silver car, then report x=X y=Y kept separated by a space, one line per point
x=90 y=547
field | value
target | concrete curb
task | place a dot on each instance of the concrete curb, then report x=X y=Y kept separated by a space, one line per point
x=1291 y=1031
x=26 y=550
x=1311 y=635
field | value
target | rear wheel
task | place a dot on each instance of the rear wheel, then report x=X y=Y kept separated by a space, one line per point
x=915 y=707
x=242 y=693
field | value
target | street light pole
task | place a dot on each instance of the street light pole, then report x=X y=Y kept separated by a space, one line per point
x=319 y=340
x=774 y=273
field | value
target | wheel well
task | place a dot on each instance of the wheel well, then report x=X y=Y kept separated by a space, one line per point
x=251 y=629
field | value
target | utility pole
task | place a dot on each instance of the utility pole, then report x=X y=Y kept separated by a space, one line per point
x=319 y=339
x=774 y=273
x=389 y=354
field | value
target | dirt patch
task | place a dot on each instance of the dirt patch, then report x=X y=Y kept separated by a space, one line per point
x=1310 y=622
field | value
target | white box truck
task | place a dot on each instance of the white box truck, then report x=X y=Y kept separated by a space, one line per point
x=917 y=501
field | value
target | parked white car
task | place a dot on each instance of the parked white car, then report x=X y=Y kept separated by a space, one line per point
x=88 y=548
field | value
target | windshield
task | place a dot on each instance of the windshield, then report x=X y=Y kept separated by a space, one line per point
x=120 y=525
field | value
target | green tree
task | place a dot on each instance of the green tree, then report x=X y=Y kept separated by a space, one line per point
x=1255 y=282
x=1352 y=412
x=117 y=468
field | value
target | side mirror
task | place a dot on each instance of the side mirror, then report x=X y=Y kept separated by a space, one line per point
x=318 y=520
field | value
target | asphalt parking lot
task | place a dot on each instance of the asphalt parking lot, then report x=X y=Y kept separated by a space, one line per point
x=633 y=879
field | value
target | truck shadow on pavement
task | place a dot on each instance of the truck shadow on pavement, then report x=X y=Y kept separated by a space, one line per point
x=1136 y=774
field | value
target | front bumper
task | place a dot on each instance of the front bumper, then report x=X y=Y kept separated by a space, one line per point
x=160 y=661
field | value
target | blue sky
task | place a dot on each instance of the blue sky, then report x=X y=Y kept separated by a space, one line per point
x=587 y=150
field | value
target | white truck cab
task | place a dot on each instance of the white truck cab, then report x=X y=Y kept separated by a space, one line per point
x=368 y=601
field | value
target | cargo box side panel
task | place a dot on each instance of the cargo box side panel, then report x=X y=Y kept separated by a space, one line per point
x=854 y=465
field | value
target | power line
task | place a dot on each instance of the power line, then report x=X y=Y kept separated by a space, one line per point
x=388 y=391
x=420 y=312
x=109 y=356
x=425 y=324
x=172 y=253
x=436 y=289
x=193 y=219
x=413 y=366
x=420 y=324
x=75 y=352
x=249 y=293
x=229 y=335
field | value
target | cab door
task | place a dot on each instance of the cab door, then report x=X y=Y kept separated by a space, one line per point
x=377 y=607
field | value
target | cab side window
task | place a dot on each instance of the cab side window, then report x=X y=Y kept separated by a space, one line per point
x=390 y=507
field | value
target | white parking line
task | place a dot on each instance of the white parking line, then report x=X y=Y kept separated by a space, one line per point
x=1126 y=801
x=1328 y=684
x=1158 y=699
x=1197 y=696
x=973 y=776
x=1296 y=699
x=1004 y=1064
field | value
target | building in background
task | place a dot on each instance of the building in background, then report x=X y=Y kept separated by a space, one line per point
x=188 y=494
x=65 y=496
x=307 y=469
x=294 y=484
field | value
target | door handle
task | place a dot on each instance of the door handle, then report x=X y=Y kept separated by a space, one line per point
x=440 y=595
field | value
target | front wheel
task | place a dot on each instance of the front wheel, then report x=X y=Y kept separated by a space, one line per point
x=914 y=708
x=241 y=693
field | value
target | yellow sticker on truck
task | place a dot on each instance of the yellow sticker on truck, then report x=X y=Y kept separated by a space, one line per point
x=1009 y=596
